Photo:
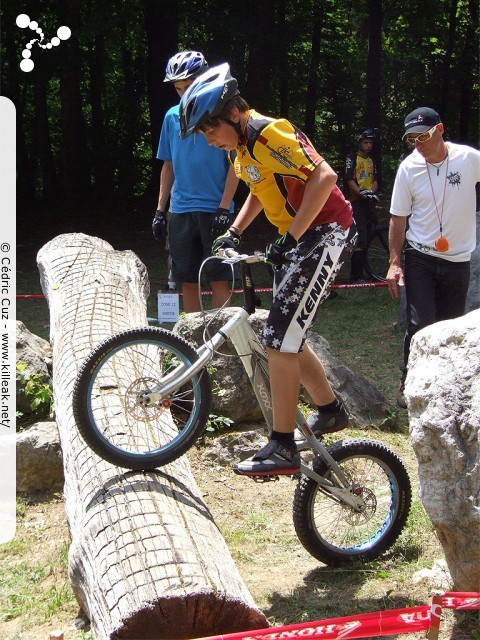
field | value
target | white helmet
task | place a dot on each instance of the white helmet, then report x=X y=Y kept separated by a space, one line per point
x=184 y=65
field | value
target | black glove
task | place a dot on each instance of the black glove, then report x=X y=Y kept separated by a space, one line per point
x=220 y=222
x=275 y=252
x=159 y=225
x=367 y=194
x=229 y=240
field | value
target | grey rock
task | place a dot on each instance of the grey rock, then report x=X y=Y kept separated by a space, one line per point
x=365 y=404
x=39 y=458
x=232 y=447
x=442 y=391
x=438 y=577
x=36 y=353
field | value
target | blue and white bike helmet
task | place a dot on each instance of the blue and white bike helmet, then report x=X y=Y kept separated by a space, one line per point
x=184 y=65
x=206 y=97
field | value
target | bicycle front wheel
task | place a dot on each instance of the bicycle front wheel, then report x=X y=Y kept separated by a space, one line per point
x=109 y=393
x=332 y=531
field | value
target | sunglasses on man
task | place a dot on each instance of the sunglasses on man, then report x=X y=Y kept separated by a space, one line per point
x=422 y=137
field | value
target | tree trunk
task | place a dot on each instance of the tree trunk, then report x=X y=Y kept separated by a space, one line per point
x=374 y=75
x=468 y=75
x=161 y=28
x=75 y=167
x=445 y=89
x=146 y=560
x=126 y=163
x=44 y=148
x=312 y=87
x=261 y=42
x=101 y=156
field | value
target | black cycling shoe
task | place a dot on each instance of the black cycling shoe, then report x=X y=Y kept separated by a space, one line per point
x=275 y=458
x=321 y=423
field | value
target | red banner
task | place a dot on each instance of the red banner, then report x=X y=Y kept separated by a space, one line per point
x=461 y=600
x=378 y=624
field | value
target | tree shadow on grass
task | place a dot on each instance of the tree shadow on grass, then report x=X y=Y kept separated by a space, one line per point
x=331 y=593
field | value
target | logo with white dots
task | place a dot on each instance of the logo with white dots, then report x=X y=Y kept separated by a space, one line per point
x=24 y=22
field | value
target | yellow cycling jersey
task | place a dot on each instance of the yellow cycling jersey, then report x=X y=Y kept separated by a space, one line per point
x=362 y=170
x=275 y=160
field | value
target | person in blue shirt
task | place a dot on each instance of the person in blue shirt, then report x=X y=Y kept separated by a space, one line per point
x=200 y=183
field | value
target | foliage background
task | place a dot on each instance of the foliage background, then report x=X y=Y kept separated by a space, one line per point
x=90 y=111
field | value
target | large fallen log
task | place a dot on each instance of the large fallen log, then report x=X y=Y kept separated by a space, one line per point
x=146 y=558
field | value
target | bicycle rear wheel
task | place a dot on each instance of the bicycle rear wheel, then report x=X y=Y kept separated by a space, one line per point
x=376 y=262
x=336 y=534
x=107 y=399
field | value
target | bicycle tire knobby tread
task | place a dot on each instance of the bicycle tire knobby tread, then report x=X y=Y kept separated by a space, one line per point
x=80 y=411
x=305 y=493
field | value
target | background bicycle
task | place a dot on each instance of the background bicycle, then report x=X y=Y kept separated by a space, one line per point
x=376 y=263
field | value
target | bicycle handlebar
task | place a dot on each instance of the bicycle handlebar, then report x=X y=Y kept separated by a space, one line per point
x=230 y=256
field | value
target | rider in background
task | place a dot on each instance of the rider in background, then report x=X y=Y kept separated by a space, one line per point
x=200 y=184
x=297 y=189
x=361 y=178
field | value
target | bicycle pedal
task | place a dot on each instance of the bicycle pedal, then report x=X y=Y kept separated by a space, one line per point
x=265 y=478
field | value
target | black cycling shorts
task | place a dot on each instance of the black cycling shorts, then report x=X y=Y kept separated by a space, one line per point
x=303 y=282
x=190 y=242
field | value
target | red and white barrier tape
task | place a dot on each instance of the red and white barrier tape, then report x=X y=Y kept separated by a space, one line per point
x=366 y=285
x=461 y=600
x=364 y=625
x=376 y=624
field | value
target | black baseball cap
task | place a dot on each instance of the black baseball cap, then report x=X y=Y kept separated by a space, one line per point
x=421 y=119
x=366 y=134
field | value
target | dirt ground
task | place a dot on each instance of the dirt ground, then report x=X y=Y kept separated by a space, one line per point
x=286 y=582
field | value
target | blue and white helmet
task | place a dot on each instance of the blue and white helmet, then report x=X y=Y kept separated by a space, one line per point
x=206 y=97
x=184 y=65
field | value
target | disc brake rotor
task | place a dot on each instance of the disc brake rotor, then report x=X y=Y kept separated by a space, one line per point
x=137 y=404
x=354 y=517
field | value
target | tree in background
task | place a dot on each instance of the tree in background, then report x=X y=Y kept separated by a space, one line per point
x=89 y=113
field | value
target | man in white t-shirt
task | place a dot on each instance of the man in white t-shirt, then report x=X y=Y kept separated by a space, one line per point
x=435 y=191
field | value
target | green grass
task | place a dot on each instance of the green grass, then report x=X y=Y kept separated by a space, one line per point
x=361 y=328
x=34 y=590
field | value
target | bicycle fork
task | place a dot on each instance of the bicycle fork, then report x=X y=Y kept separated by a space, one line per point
x=183 y=373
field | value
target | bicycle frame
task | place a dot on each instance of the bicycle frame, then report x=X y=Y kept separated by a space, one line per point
x=255 y=362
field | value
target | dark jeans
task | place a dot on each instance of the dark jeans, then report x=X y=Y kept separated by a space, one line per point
x=435 y=289
x=362 y=212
